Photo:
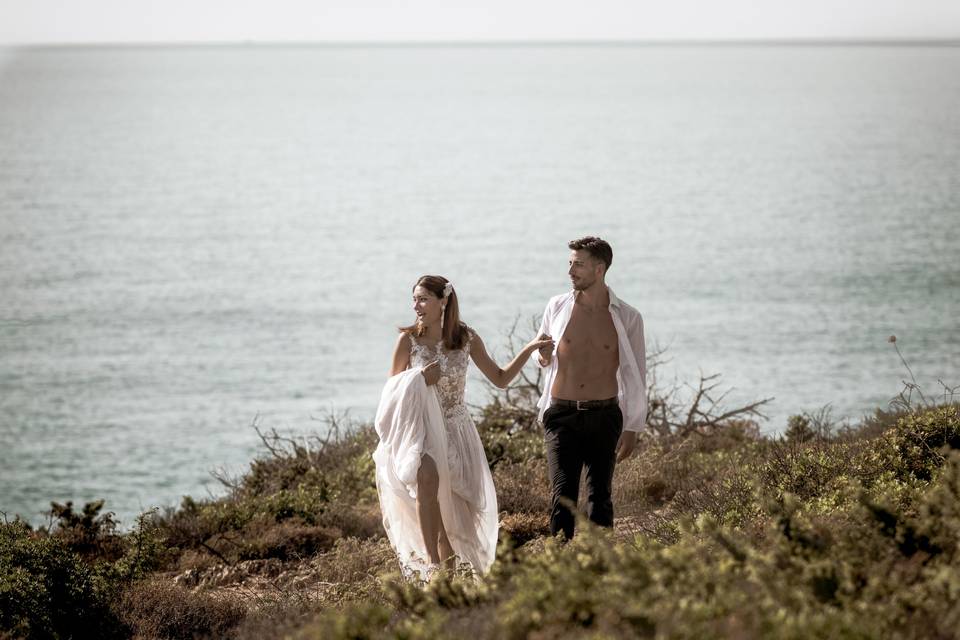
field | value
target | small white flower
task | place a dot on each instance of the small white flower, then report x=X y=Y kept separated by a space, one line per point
x=447 y=289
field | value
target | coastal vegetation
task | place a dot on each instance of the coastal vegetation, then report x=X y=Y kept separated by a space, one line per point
x=828 y=530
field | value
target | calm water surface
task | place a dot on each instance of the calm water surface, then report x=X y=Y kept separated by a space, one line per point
x=193 y=237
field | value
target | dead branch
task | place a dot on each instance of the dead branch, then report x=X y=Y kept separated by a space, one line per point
x=704 y=414
x=222 y=476
x=216 y=553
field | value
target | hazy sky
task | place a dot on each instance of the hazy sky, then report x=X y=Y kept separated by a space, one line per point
x=39 y=21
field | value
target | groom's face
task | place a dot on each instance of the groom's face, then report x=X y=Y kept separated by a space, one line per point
x=583 y=270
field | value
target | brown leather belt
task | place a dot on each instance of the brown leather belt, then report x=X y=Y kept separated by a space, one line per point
x=584 y=405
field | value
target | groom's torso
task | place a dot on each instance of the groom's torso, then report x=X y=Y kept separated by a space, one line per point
x=587 y=356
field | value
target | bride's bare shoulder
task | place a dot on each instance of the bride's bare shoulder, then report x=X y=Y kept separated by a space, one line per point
x=404 y=340
x=401 y=353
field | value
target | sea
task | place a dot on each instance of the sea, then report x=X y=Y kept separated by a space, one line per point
x=197 y=242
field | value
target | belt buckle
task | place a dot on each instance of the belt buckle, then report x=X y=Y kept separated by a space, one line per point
x=585 y=408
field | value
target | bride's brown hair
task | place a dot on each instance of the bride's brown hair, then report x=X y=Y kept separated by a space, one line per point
x=454 y=332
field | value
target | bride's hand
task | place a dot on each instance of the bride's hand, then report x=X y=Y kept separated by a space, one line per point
x=431 y=372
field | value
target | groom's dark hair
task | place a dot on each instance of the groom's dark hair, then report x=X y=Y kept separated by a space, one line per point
x=597 y=248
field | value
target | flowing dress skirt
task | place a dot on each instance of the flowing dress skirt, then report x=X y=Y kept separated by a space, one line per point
x=411 y=424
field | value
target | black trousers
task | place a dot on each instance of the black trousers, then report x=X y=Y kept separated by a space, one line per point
x=576 y=439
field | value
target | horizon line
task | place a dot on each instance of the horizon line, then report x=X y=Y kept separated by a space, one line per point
x=553 y=42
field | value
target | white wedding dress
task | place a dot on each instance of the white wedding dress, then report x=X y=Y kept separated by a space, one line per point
x=413 y=420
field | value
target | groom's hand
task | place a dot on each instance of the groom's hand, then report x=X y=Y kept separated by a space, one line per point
x=545 y=350
x=626 y=445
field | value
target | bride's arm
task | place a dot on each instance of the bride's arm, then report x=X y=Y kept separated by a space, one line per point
x=502 y=377
x=401 y=354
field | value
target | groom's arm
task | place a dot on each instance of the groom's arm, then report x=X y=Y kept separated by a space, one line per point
x=544 y=355
x=639 y=346
x=637 y=396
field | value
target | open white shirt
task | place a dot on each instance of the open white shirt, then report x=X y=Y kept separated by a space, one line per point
x=632 y=373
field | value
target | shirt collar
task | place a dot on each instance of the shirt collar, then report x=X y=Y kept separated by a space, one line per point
x=614 y=300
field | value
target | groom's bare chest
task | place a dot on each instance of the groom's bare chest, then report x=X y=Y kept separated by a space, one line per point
x=589 y=336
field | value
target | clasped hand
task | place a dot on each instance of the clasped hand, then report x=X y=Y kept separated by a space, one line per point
x=542 y=343
x=431 y=372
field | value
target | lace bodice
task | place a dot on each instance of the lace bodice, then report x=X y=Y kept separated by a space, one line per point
x=453 y=370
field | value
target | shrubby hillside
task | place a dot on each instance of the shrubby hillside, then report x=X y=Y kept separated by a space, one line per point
x=827 y=531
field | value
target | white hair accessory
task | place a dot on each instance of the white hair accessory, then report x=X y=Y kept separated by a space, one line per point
x=447 y=289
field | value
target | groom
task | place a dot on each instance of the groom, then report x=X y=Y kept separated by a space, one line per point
x=594 y=396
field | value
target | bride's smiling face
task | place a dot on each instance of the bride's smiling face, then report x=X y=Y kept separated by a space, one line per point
x=427 y=306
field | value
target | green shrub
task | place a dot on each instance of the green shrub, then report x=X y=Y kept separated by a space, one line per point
x=522 y=487
x=89 y=533
x=359 y=621
x=337 y=466
x=48 y=591
x=802 y=428
x=295 y=501
x=145 y=551
x=806 y=469
x=509 y=439
x=576 y=587
x=721 y=484
x=915 y=445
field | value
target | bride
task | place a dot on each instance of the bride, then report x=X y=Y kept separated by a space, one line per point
x=436 y=491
